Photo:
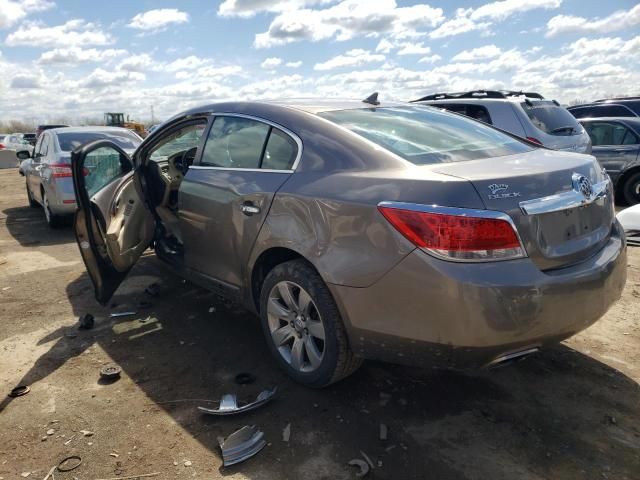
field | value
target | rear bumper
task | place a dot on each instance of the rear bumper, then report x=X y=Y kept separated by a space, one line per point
x=62 y=198
x=444 y=314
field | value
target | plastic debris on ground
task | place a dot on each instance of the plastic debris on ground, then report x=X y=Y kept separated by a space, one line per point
x=242 y=445
x=229 y=404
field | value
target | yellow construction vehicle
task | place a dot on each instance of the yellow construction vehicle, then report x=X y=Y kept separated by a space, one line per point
x=117 y=120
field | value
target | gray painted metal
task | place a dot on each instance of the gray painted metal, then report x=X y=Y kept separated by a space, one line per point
x=229 y=404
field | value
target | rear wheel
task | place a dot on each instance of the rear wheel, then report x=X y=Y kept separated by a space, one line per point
x=32 y=202
x=631 y=189
x=53 y=220
x=303 y=327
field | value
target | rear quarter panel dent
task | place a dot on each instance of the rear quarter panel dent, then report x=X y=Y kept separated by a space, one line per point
x=349 y=244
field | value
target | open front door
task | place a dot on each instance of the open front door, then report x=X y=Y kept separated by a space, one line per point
x=112 y=225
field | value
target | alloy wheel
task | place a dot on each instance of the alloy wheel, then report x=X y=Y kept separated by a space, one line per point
x=296 y=326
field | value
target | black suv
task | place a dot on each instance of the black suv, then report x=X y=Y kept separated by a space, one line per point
x=610 y=107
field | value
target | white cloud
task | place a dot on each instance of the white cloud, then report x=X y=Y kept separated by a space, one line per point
x=413 y=49
x=384 y=46
x=137 y=63
x=481 y=18
x=74 y=33
x=101 y=78
x=158 y=20
x=488 y=51
x=12 y=11
x=75 y=55
x=351 y=58
x=249 y=8
x=505 y=8
x=271 y=63
x=297 y=64
x=186 y=63
x=349 y=19
x=25 y=81
x=430 y=59
x=219 y=73
x=619 y=20
x=456 y=26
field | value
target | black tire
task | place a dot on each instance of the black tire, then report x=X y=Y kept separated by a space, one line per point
x=338 y=361
x=32 y=203
x=53 y=220
x=631 y=189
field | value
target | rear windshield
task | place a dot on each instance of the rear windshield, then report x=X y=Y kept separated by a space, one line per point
x=424 y=135
x=123 y=138
x=552 y=119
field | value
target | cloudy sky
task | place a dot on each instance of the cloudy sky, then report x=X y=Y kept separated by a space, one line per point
x=77 y=59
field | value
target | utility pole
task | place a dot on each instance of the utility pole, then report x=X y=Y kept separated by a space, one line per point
x=153 y=118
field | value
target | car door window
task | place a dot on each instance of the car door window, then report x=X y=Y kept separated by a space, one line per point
x=102 y=166
x=181 y=140
x=44 y=147
x=281 y=151
x=612 y=111
x=610 y=133
x=235 y=142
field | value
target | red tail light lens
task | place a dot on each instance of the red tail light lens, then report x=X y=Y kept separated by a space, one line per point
x=1 y=146
x=460 y=236
x=534 y=140
x=60 y=170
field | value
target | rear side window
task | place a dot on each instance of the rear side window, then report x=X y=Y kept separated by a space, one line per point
x=424 y=135
x=611 y=111
x=281 y=151
x=580 y=112
x=477 y=112
x=551 y=119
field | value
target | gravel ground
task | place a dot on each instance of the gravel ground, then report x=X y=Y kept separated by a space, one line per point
x=571 y=412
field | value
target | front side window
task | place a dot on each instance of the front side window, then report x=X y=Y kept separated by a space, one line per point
x=610 y=133
x=551 y=119
x=424 y=135
x=181 y=140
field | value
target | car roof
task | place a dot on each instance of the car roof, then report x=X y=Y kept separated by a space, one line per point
x=310 y=105
x=520 y=99
x=87 y=129
x=632 y=120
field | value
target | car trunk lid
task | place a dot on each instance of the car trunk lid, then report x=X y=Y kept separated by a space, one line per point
x=559 y=226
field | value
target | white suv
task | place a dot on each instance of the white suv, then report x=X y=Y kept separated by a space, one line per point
x=525 y=114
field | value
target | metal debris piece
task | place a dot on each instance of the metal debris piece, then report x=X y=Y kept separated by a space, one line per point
x=384 y=431
x=366 y=457
x=86 y=322
x=229 y=404
x=362 y=466
x=131 y=477
x=62 y=467
x=241 y=445
x=110 y=372
x=286 y=433
x=86 y=433
x=122 y=314
x=19 y=391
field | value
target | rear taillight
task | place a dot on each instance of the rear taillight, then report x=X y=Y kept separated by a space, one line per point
x=534 y=140
x=60 y=170
x=456 y=234
x=2 y=147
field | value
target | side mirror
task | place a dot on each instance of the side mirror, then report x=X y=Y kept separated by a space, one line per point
x=23 y=154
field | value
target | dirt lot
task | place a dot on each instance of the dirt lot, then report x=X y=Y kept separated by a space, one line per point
x=571 y=412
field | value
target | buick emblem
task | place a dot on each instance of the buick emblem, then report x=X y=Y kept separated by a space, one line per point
x=582 y=184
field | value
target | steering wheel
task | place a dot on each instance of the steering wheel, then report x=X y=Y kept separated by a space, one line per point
x=184 y=161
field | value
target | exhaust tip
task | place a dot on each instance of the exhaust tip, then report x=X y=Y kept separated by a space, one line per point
x=508 y=358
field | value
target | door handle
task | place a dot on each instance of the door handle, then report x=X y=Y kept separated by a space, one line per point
x=249 y=209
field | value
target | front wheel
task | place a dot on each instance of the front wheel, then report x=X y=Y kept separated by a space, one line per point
x=302 y=326
x=631 y=189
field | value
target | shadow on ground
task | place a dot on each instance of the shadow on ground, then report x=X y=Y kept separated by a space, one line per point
x=29 y=227
x=558 y=415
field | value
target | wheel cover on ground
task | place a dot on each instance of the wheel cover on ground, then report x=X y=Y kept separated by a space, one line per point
x=296 y=326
